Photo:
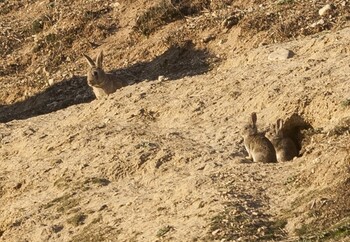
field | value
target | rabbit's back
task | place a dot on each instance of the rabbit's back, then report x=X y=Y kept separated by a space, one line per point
x=260 y=148
x=113 y=83
x=286 y=149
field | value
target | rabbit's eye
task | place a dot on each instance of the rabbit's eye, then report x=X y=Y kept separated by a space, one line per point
x=95 y=73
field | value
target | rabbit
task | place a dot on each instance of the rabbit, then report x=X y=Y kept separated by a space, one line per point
x=102 y=83
x=259 y=148
x=285 y=147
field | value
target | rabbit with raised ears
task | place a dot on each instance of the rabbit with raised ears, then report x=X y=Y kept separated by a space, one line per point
x=259 y=148
x=101 y=82
x=285 y=147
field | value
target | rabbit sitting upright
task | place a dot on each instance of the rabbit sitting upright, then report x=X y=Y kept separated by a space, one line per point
x=101 y=82
x=259 y=148
x=285 y=147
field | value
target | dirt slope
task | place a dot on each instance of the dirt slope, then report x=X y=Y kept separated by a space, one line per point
x=163 y=160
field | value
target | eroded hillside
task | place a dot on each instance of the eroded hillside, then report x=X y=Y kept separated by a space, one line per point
x=163 y=159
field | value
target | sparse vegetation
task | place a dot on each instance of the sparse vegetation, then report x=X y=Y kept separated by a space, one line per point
x=104 y=233
x=164 y=230
x=346 y=103
x=37 y=26
x=290 y=180
x=303 y=230
x=281 y=2
x=229 y=225
x=156 y=16
x=343 y=127
x=167 y=11
x=335 y=233
x=93 y=15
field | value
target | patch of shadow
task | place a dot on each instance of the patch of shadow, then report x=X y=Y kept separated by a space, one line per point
x=175 y=63
x=294 y=128
x=58 y=96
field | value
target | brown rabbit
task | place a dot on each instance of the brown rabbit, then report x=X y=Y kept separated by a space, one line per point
x=285 y=147
x=102 y=83
x=259 y=148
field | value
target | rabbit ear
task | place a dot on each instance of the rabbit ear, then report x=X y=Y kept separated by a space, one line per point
x=279 y=124
x=254 y=118
x=99 y=60
x=89 y=61
x=276 y=128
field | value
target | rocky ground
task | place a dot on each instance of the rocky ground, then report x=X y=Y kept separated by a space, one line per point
x=163 y=159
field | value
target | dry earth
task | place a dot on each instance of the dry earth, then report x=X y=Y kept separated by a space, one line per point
x=163 y=159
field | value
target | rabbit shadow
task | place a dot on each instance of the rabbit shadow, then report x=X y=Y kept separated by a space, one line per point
x=58 y=96
x=175 y=63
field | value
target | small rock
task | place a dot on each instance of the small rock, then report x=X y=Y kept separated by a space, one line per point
x=250 y=9
x=103 y=207
x=50 y=81
x=58 y=161
x=201 y=204
x=222 y=41
x=162 y=78
x=262 y=230
x=115 y=5
x=215 y=232
x=319 y=22
x=38 y=70
x=42 y=136
x=18 y=186
x=52 y=105
x=46 y=72
x=208 y=38
x=325 y=9
x=230 y=22
x=30 y=131
x=57 y=228
x=101 y=126
x=281 y=54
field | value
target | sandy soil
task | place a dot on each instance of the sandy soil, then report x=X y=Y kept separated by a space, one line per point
x=163 y=159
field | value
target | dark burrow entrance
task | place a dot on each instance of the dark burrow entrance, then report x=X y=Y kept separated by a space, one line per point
x=294 y=127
